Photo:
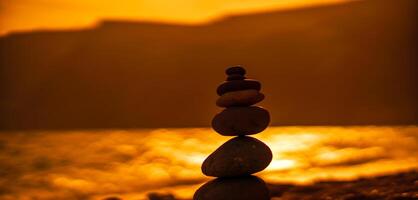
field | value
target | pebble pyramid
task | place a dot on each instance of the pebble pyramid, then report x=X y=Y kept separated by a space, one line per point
x=235 y=161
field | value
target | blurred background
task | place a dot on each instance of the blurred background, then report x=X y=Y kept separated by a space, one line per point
x=105 y=99
x=320 y=62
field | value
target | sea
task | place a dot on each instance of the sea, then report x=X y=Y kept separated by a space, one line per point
x=130 y=164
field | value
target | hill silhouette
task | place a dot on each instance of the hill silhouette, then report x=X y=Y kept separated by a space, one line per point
x=347 y=64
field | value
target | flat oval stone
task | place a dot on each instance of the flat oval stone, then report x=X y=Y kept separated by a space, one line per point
x=235 y=85
x=234 y=121
x=235 y=70
x=240 y=98
x=234 y=77
x=239 y=156
x=241 y=188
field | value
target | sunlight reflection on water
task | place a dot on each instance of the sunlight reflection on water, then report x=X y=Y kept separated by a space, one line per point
x=129 y=164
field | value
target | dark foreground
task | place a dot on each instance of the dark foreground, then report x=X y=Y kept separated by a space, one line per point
x=402 y=186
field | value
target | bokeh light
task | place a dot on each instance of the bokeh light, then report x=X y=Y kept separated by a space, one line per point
x=130 y=164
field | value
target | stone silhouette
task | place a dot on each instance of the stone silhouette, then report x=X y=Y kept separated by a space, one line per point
x=242 y=188
x=234 y=161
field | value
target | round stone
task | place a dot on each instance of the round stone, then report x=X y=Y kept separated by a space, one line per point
x=240 y=188
x=240 y=98
x=239 y=156
x=234 y=121
x=235 y=85
x=235 y=70
x=234 y=77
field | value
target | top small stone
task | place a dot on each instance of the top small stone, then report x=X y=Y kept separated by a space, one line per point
x=235 y=70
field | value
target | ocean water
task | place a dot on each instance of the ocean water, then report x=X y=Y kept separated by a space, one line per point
x=131 y=163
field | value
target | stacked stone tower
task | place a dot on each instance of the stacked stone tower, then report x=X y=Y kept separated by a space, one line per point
x=235 y=161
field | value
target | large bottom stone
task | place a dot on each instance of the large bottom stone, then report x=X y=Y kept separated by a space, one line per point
x=240 y=188
x=239 y=156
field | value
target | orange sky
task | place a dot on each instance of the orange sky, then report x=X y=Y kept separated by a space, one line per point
x=23 y=15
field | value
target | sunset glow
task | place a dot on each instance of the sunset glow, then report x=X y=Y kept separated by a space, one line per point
x=208 y=99
x=25 y=15
x=130 y=164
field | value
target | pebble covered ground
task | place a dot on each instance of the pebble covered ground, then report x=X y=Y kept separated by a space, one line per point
x=403 y=186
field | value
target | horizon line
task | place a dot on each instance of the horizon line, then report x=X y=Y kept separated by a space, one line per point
x=209 y=21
